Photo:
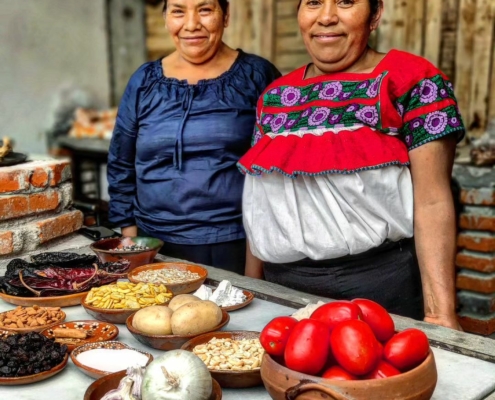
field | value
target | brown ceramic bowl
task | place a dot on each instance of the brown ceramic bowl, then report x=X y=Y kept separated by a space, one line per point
x=96 y=332
x=36 y=328
x=105 y=250
x=24 y=380
x=229 y=379
x=175 y=288
x=113 y=316
x=249 y=299
x=169 y=342
x=102 y=386
x=95 y=373
x=53 y=301
x=283 y=383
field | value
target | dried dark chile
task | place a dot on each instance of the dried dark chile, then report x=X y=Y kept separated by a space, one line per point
x=28 y=354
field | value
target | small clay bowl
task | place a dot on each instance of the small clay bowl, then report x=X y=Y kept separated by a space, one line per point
x=175 y=288
x=105 y=250
x=169 y=342
x=249 y=299
x=113 y=316
x=24 y=380
x=226 y=378
x=283 y=383
x=66 y=300
x=96 y=332
x=102 y=386
x=95 y=373
x=34 y=328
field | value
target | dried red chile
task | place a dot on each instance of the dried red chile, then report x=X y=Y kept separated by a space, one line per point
x=28 y=354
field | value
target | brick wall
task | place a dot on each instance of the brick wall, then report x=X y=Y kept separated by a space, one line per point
x=476 y=241
x=35 y=205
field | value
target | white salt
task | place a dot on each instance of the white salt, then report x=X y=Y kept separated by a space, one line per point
x=112 y=360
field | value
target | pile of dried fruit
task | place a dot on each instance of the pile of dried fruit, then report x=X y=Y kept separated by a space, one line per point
x=28 y=354
x=30 y=317
x=125 y=295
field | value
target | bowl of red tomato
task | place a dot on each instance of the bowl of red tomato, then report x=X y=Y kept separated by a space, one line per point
x=346 y=350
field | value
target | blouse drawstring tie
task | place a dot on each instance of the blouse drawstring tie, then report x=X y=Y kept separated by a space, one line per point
x=186 y=105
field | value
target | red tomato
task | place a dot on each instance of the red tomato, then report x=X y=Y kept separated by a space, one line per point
x=274 y=335
x=353 y=345
x=307 y=347
x=407 y=349
x=335 y=312
x=382 y=370
x=338 y=373
x=379 y=320
x=379 y=350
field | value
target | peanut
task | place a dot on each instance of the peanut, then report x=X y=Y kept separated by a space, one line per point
x=128 y=295
x=32 y=317
x=231 y=355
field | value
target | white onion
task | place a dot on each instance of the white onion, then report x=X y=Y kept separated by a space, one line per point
x=177 y=375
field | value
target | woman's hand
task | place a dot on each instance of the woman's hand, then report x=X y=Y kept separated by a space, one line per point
x=129 y=231
x=448 y=321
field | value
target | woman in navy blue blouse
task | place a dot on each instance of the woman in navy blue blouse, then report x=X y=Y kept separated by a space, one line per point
x=183 y=123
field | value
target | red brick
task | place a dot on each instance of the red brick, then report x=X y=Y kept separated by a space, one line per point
x=476 y=281
x=6 y=243
x=23 y=205
x=60 y=225
x=13 y=181
x=477 y=241
x=482 y=262
x=479 y=324
x=480 y=197
x=477 y=222
x=39 y=178
x=60 y=173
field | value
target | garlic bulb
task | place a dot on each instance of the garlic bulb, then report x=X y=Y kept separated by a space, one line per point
x=177 y=375
x=123 y=392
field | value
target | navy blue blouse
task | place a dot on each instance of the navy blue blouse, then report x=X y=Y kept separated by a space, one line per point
x=172 y=160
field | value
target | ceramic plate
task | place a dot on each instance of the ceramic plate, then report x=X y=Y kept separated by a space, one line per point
x=55 y=301
x=13 y=159
x=24 y=380
x=33 y=329
x=249 y=299
x=96 y=332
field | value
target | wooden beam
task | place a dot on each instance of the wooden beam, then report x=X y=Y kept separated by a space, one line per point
x=482 y=58
x=464 y=56
x=264 y=28
x=433 y=31
x=385 y=30
x=448 y=46
x=414 y=19
x=399 y=24
x=127 y=34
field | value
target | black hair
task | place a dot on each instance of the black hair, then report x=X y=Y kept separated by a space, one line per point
x=224 y=5
x=374 y=4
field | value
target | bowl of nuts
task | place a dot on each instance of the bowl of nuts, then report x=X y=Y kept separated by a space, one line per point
x=233 y=358
x=31 y=319
x=137 y=250
x=115 y=302
x=178 y=277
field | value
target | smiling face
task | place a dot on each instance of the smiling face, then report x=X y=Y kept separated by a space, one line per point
x=336 y=32
x=196 y=27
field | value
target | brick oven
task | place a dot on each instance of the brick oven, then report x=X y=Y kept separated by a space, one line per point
x=476 y=241
x=35 y=205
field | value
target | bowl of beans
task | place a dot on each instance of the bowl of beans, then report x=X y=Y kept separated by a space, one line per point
x=137 y=250
x=178 y=277
x=115 y=302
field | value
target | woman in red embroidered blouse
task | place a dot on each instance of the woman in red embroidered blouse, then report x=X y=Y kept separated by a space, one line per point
x=347 y=190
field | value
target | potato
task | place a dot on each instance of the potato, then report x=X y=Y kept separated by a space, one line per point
x=153 y=320
x=195 y=318
x=181 y=299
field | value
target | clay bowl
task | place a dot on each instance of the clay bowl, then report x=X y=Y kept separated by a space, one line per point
x=96 y=332
x=175 y=288
x=283 y=383
x=24 y=380
x=169 y=342
x=95 y=373
x=249 y=299
x=229 y=379
x=33 y=329
x=113 y=316
x=53 y=301
x=104 y=249
x=102 y=386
